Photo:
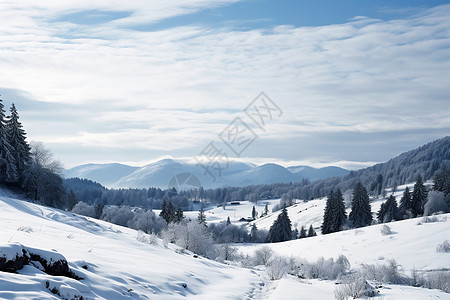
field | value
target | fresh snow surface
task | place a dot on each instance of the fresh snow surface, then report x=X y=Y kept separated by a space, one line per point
x=118 y=266
x=215 y=214
x=413 y=244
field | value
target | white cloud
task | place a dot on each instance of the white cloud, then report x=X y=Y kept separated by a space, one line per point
x=178 y=88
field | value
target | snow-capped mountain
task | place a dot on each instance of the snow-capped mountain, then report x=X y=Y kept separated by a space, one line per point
x=106 y=174
x=313 y=174
x=160 y=174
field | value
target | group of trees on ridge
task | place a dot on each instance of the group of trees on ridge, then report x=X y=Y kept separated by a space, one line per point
x=29 y=168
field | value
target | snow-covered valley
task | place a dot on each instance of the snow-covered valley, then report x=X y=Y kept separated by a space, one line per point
x=115 y=264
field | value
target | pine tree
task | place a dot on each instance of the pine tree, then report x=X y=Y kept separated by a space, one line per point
x=266 y=210
x=201 y=216
x=405 y=209
x=388 y=211
x=281 y=229
x=326 y=224
x=17 y=140
x=170 y=212
x=254 y=213
x=419 y=197
x=311 y=231
x=441 y=180
x=360 y=214
x=229 y=222
x=302 y=233
x=179 y=216
x=167 y=212
x=338 y=216
x=253 y=232
x=71 y=200
x=8 y=165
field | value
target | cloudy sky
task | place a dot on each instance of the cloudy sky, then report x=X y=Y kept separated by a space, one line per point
x=134 y=81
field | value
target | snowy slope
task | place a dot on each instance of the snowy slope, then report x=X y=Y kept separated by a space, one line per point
x=412 y=245
x=118 y=266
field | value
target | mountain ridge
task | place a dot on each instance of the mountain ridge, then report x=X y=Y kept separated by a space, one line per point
x=160 y=173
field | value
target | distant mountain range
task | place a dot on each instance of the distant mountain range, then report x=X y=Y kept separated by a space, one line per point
x=167 y=172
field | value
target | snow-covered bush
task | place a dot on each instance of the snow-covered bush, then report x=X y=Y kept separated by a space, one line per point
x=84 y=209
x=385 y=230
x=389 y=273
x=263 y=256
x=354 y=286
x=150 y=239
x=438 y=280
x=191 y=236
x=276 y=268
x=225 y=252
x=443 y=247
x=436 y=203
x=324 y=268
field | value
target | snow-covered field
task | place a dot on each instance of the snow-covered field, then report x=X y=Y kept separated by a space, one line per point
x=115 y=265
x=234 y=212
x=118 y=266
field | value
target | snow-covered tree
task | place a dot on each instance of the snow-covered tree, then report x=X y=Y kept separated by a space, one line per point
x=441 y=180
x=302 y=233
x=179 y=216
x=436 y=203
x=405 y=208
x=8 y=165
x=419 y=196
x=167 y=212
x=388 y=211
x=311 y=231
x=17 y=140
x=201 y=217
x=326 y=223
x=281 y=229
x=253 y=232
x=254 y=214
x=360 y=214
x=338 y=215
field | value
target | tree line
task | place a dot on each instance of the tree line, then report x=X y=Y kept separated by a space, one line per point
x=29 y=168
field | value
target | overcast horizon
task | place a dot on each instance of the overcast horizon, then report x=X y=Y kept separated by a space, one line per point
x=111 y=81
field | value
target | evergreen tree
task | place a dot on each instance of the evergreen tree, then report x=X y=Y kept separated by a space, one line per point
x=302 y=233
x=419 y=197
x=326 y=224
x=338 y=216
x=281 y=229
x=254 y=213
x=441 y=181
x=71 y=200
x=266 y=210
x=405 y=209
x=360 y=214
x=311 y=231
x=168 y=212
x=295 y=234
x=8 y=164
x=253 y=233
x=17 y=140
x=179 y=216
x=201 y=216
x=388 y=211
x=229 y=222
